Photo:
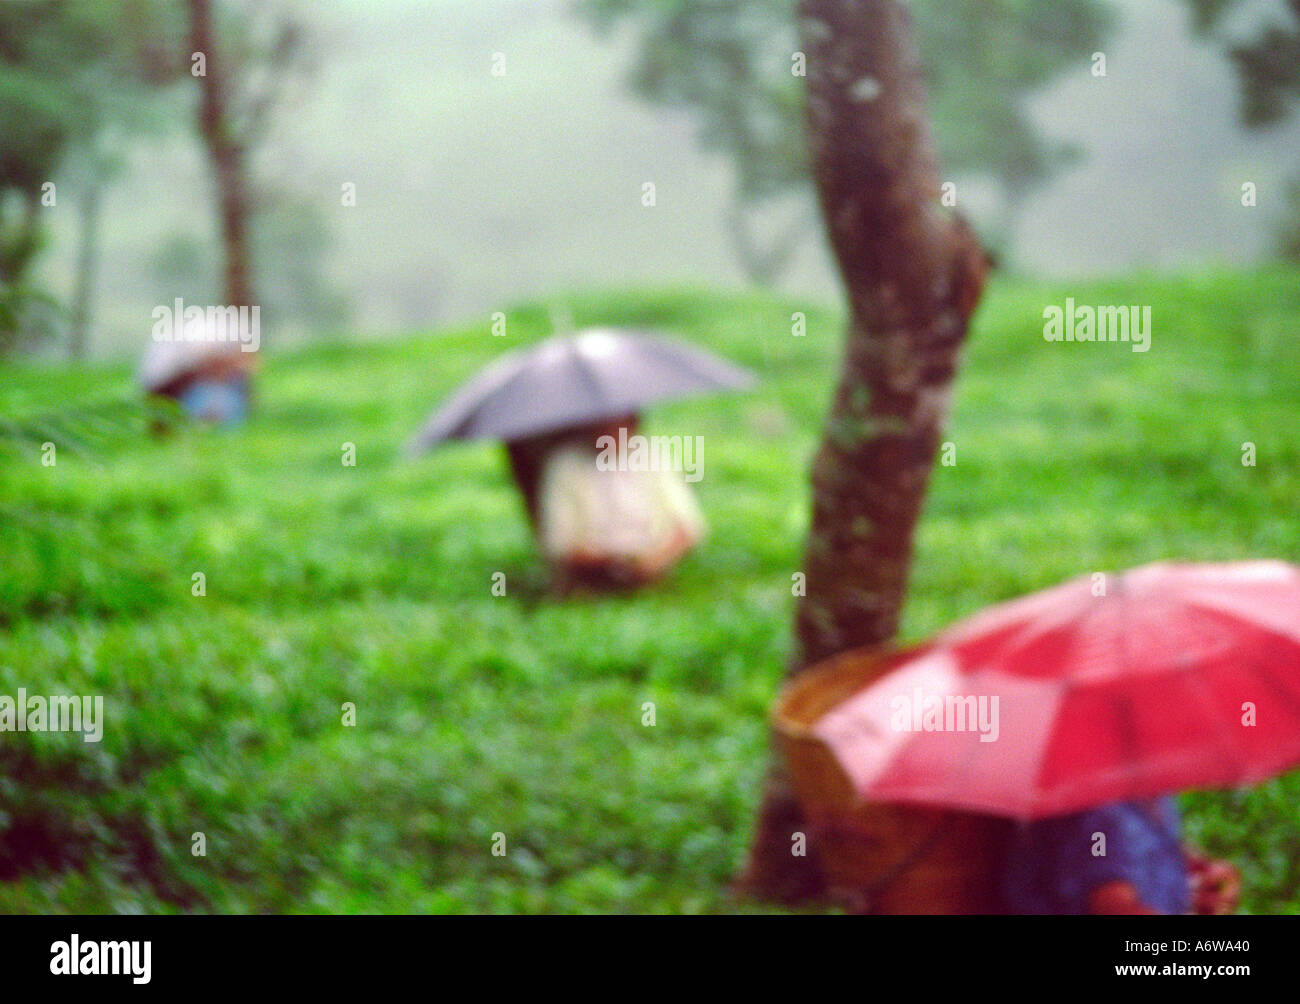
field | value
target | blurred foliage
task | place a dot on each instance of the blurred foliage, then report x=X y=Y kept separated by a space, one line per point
x=87 y=428
x=1267 y=63
x=1289 y=231
x=47 y=90
x=77 y=79
x=23 y=306
x=983 y=59
x=44 y=101
x=28 y=316
x=520 y=715
x=70 y=73
x=730 y=62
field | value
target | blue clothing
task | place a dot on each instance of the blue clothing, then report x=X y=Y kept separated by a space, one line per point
x=222 y=402
x=1052 y=864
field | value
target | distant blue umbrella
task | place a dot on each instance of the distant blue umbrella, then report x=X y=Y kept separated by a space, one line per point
x=573 y=380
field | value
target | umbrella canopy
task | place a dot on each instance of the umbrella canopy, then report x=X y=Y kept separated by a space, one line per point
x=595 y=374
x=200 y=342
x=1099 y=690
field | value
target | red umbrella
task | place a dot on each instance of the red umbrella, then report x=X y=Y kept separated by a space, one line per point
x=1103 y=689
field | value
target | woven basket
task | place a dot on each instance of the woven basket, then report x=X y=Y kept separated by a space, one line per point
x=883 y=858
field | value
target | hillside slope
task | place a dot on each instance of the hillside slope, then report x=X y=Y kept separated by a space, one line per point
x=478 y=715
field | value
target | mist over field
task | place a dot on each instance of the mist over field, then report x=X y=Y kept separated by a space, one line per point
x=476 y=191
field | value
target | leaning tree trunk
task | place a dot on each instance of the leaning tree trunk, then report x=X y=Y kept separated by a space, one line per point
x=227 y=154
x=913 y=273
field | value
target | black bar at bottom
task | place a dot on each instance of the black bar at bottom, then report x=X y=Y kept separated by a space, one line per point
x=584 y=953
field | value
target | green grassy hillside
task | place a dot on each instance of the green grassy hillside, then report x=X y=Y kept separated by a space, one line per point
x=518 y=715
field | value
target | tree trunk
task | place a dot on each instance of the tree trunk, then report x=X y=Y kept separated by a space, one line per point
x=227 y=153
x=913 y=275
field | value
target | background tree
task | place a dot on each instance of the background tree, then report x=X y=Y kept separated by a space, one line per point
x=982 y=62
x=47 y=102
x=244 y=58
x=913 y=273
x=731 y=63
x=72 y=91
x=242 y=77
x=120 y=104
x=255 y=59
x=1266 y=57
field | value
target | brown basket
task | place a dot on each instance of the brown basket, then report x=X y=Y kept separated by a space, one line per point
x=886 y=858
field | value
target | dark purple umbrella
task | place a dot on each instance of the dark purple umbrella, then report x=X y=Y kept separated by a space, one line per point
x=574 y=380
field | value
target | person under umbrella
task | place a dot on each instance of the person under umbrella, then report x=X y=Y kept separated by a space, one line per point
x=1077 y=711
x=206 y=373
x=1060 y=865
x=604 y=528
x=553 y=405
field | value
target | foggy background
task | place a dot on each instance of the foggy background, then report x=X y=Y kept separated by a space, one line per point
x=474 y=191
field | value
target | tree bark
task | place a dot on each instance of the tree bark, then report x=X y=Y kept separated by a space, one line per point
x=227 y=152
x=913 y=274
